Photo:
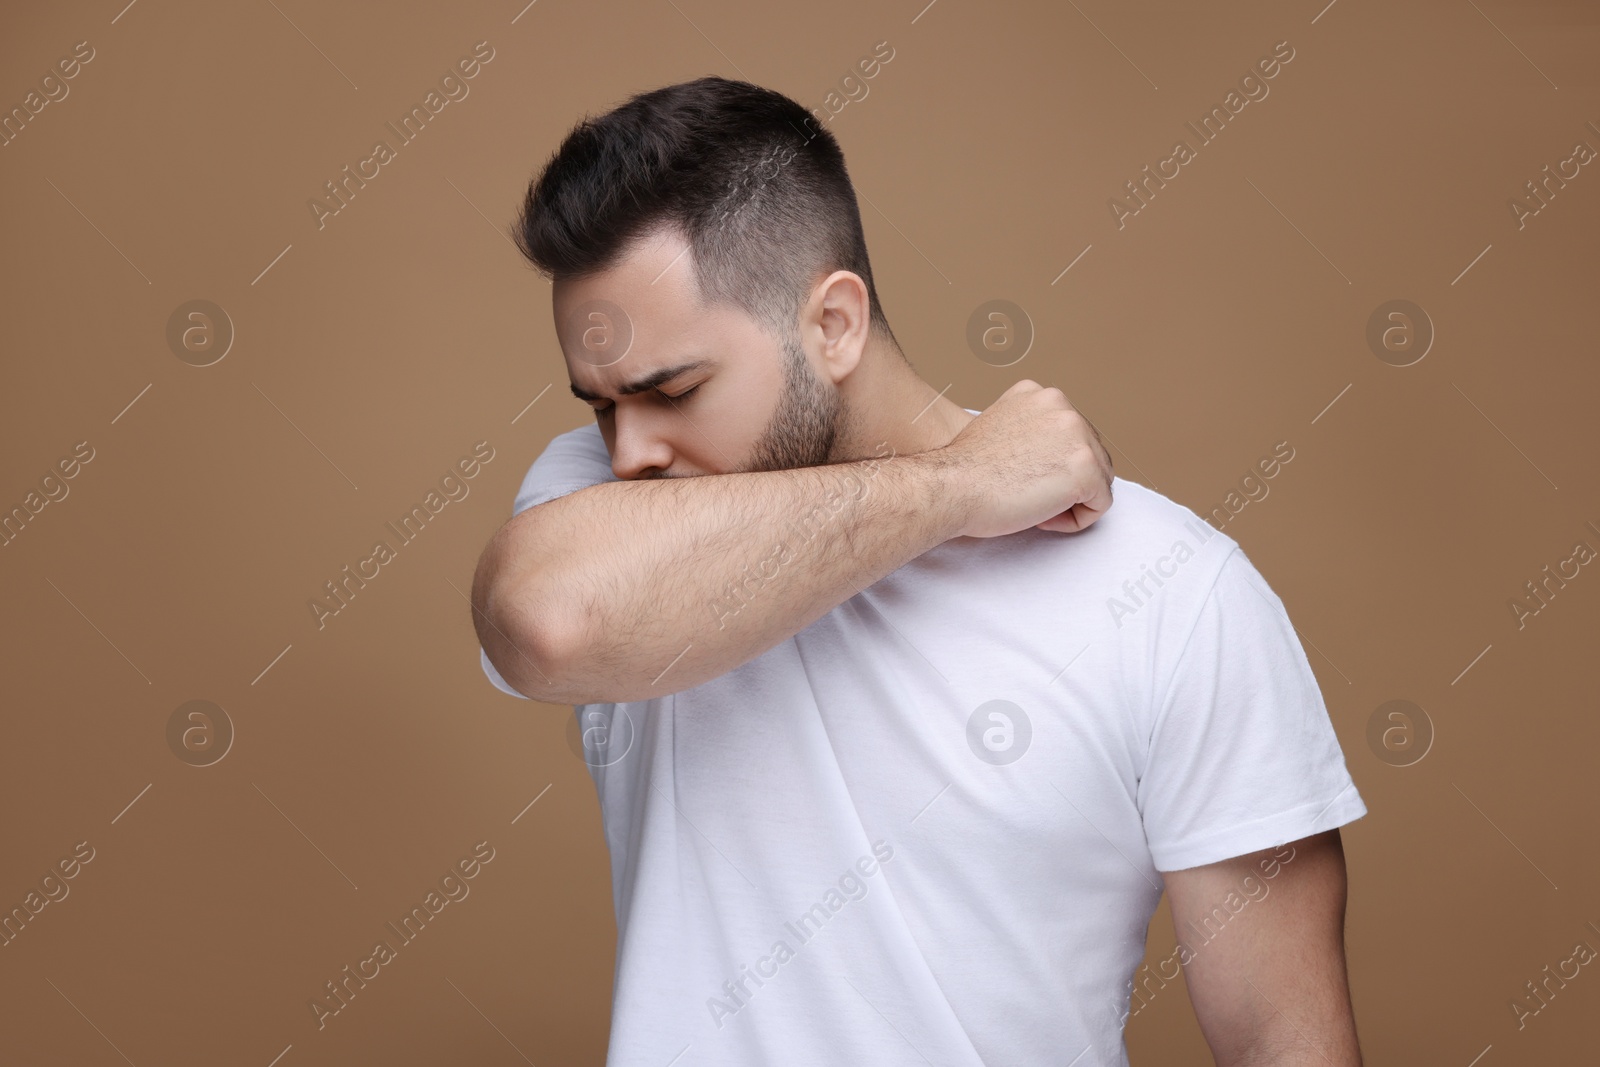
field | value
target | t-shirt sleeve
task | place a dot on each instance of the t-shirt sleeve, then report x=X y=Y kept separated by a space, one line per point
x=1242 y=756
x=571 y=461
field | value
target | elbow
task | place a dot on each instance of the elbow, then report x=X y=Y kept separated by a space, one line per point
x=522 y=637
x=526 y=649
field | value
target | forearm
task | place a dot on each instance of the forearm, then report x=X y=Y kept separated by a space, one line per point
x=635 y=589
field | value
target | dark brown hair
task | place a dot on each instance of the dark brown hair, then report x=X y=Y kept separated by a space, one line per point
x=756 y=188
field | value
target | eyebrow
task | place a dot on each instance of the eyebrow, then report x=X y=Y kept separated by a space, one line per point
x=649 y=381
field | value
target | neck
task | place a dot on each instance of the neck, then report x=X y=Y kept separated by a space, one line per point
x=887 y=406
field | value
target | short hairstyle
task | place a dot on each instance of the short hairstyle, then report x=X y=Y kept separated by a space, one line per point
x=757 y=189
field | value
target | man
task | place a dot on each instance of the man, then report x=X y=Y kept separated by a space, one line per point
x=898 y=730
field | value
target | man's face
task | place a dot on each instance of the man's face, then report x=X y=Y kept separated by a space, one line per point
x=739 y=401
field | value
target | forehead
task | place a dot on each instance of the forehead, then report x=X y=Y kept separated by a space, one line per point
x=644 y=315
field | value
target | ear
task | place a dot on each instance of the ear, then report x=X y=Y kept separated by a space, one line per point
x=836 y=321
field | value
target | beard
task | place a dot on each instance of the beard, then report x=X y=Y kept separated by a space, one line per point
x=804 y=429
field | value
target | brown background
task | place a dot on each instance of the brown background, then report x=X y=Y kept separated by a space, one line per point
x=372 y=754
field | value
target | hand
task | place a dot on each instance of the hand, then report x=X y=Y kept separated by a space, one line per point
x=1030 y=459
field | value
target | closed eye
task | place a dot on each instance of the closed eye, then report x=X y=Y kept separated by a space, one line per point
x=681 y=396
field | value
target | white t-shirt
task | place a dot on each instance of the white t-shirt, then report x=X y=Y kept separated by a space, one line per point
x=929 y=827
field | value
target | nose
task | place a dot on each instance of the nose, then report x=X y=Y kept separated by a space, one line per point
x=640 y=447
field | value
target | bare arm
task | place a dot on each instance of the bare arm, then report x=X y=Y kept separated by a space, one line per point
x=1272 y=987
x=629 y=590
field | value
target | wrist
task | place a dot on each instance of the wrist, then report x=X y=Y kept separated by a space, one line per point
x=942 y=493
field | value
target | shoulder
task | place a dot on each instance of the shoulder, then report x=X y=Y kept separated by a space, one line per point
x=1142 y=523
x=1152 y=562
x=573 y=460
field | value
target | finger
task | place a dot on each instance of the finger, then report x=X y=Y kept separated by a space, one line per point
x=1081 y=515
x=1095 y=505
x=1102 y=455
x=1100 y=446
x=1068 y=521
